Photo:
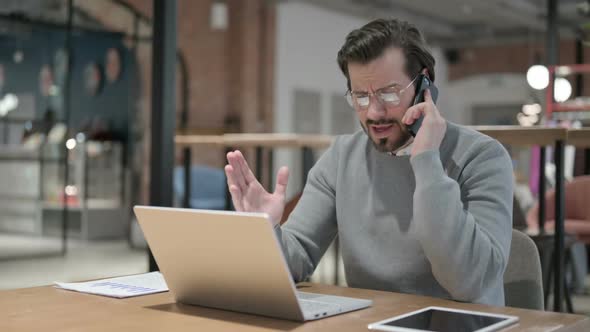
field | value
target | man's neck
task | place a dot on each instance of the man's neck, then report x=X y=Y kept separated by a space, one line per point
x=403 y=150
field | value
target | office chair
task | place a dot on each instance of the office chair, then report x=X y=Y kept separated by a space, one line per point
x=523 y=286
x=577 y=209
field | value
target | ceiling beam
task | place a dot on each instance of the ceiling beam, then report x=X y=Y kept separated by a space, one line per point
x=523 y=14
x=431 y=26
x=513 y=11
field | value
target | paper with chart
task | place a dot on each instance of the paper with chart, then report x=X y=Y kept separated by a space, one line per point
x=120 y=287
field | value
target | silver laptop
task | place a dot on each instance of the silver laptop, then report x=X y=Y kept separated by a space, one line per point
x=233 y=261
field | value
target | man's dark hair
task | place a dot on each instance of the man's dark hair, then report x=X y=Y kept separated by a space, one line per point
x=370 y=41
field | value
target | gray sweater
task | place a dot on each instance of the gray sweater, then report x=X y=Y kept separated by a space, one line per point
x=438 y=224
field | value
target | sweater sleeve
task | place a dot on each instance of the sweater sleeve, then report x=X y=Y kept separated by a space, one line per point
x=465 y=228
x=311 y=227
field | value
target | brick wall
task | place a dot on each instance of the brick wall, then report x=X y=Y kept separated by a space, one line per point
x=511 y=58
x=230 y=71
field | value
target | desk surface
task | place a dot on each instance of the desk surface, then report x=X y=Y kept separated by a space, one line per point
x=276 y=140
x=527 y=136
x=579 y=137
x=51 y=309
x=524 y=136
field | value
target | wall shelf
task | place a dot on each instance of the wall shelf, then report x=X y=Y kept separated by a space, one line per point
x=568 y=106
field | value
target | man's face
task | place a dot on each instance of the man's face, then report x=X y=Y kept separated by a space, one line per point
x=382 y=122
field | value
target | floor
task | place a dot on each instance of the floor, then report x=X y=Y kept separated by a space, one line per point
x=98 y=259
x=83 y=260
x=581 y=302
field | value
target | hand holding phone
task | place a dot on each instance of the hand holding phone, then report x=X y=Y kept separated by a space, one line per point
x=423 y=83
x=437 y=125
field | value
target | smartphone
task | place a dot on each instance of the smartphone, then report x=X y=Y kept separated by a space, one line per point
x=423 y=83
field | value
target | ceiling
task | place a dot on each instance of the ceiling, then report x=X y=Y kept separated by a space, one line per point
x=15 y=15
x=451 y=23
x=53 y=11
x=469 y=22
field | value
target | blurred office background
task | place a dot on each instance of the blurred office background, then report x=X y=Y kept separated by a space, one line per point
x=76 y=105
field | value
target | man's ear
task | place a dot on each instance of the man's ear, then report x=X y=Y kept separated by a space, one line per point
x=425 y=72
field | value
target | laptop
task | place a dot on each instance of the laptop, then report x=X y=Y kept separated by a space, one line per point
x=232 y=261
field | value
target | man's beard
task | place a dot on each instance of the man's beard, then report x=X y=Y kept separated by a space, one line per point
x=388 y=144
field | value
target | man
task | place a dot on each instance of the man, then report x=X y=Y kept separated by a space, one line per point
x=435 y=221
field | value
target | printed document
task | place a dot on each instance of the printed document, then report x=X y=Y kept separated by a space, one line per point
x=120 y=287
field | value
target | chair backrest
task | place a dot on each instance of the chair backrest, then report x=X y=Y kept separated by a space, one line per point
x=523 y=285
x=577 y=192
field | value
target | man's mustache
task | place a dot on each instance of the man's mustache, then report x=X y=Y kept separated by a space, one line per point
x=370 y=122
x=382 y=122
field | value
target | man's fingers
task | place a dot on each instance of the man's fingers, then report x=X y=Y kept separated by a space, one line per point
x=417 y=113
x=245 y=169
x=237 y=177
x=427 y=96
x=430 y=107
x=228 y=170
x=413 y=113
x=236 y=197
x=232 y=178
x=235 y=174
x=234 y=190
x=229 y=174
x=282 y=180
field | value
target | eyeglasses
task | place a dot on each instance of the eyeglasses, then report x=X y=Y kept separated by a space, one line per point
x=389 y=95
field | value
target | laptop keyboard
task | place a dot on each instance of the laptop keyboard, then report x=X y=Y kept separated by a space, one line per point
x=307 y=296
x=318 y=307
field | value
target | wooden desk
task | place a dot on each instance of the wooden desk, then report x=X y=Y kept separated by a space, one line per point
x=524 y=136
x=579 y=137
x=269 y=140
x=200 y=140
x=51 y=309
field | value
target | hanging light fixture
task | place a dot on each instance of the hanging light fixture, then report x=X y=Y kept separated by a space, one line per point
x=562 y=89
x=538 y=77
